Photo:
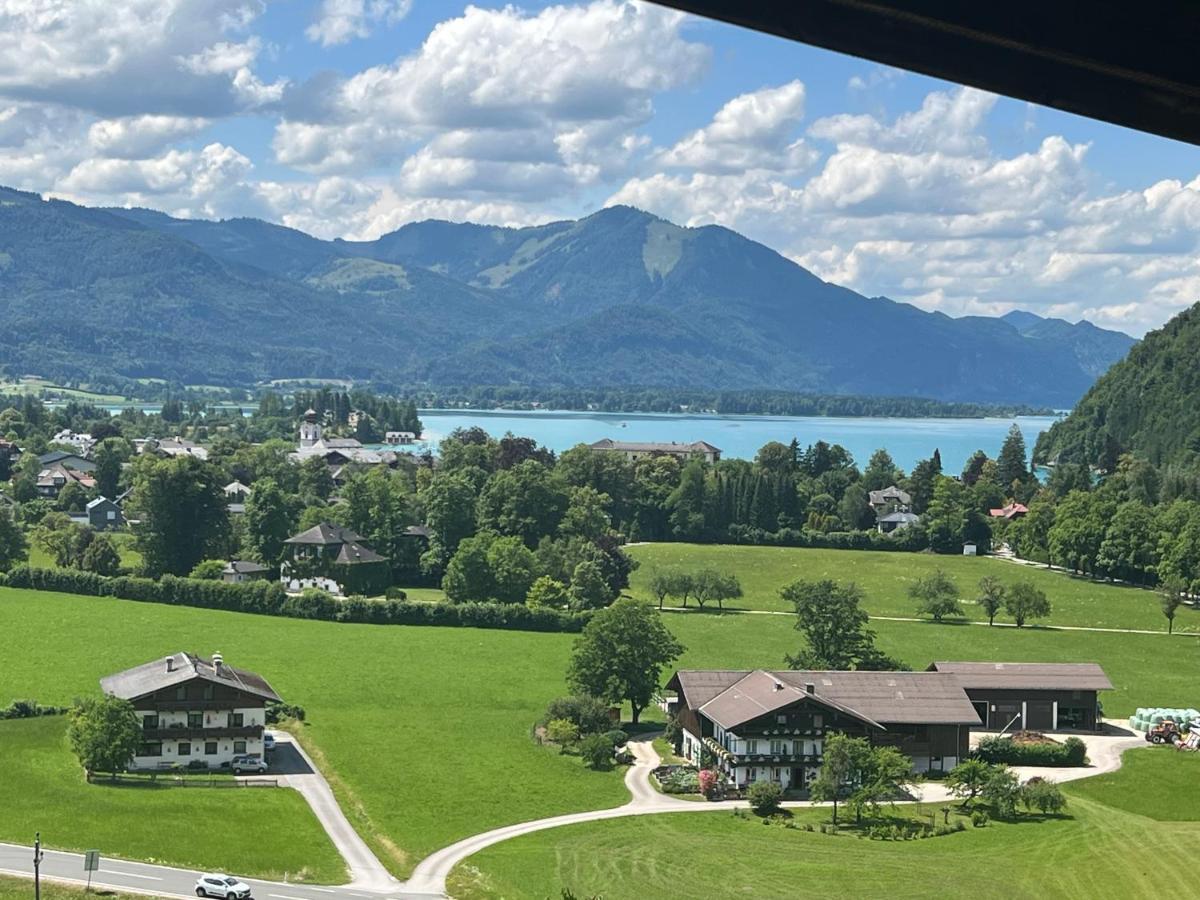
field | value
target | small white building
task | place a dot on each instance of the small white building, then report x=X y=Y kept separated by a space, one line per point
x=970 y=549
x=196 y=713
x=400 y=438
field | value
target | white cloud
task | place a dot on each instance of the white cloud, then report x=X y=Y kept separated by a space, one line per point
x=751 y=131
x=570 y=83
x=139 y=136
x=340 y=21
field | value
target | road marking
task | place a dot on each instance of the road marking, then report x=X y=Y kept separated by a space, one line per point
x=130 y=874
x=286 y=897
x=328 y=891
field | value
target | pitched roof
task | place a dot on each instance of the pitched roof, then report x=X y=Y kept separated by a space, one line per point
x=325 y=534
x=890 y=493
x=1025 y=676
x=731 y=698
x=652 y=447
x=353 y=552
x=905 y=518
x=99 y=501
x=1007 y=512
x=244 y=567
x=179 y=668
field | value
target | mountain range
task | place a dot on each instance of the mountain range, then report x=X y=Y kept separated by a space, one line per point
x=617 y=299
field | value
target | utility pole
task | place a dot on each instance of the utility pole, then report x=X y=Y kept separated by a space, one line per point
x=37 y=862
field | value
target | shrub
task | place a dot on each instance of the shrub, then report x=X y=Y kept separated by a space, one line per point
x=277 y=712
x=673 y=731
x=589 y=714
x=707 y=782
x=208 y=570
x=1002 y=792
x=1006 y=751
x=563 y=732
x=31 y=709
x=395 y=593
x=615 y=737
x=764 y=797
x=1044 y=796
x=979 y=818
x=677 y=780
x=596 y=751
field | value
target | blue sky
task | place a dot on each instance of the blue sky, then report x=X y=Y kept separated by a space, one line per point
x=351 y=117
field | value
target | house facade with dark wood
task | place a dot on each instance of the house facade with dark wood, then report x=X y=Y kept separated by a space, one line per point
x=195 y=712
x=771 y=726
x=1032 y=696
x=333 y=558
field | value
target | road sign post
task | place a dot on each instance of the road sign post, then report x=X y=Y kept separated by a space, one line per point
x=91 y=862
x=37 y=865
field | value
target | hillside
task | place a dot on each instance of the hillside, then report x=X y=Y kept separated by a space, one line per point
x=619 y=298
x=1148 y=404
x=1095 y=348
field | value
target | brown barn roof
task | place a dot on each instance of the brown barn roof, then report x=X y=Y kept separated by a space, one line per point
x=1025 y=676
x=180 y=668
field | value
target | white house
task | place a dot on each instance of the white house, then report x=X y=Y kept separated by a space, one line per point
x=195 y=712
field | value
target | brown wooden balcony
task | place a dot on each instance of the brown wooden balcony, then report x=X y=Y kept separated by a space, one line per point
x=184 y=733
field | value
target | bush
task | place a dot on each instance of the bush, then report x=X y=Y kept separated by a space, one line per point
x=1044 y=796
x=677 y=780
x=563 y=732
x=979 y=818
x=764 y=797
x=707 y=782
x=596 y=751
x=615 y=737
x=589 y=714
x=269 y=598
x=395 y=593
x=31 y=709
x=277 y=712
x=1006 y=751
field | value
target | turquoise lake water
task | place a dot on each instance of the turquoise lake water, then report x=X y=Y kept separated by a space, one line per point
x=739 y=437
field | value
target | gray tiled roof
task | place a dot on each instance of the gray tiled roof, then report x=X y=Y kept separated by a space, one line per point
x=324 y=533
x=154 y=676
x=1026 y=676
x=651 y=447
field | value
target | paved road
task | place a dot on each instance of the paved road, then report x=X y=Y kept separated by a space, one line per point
x=160 y=881
x=366 y=871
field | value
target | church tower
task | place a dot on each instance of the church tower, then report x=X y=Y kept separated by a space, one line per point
x=310 y=429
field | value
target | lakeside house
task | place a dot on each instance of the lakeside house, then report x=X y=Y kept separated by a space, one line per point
x=334 y=559
x=400 y=438
x=759 y=725
x=195 y=712
x=338 y=453
x=238 y=571
x=81 y=442
x=632 y=451
x=889 y=500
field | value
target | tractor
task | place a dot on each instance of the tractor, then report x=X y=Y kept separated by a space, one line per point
x=1165 y=733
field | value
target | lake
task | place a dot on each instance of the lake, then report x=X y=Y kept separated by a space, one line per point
x=739 y=437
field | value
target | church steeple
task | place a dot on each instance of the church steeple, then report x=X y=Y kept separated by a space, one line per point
x=310 y=429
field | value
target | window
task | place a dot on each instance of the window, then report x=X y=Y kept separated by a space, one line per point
x=150 y=722
x=778 y=748
x=195 y=720
x=185 y=748
x=210 y=748
x=150 y=748
x=239 y=747
x=817 y=720
x=111 y=515
x=781 y=719
x=751 y=746
x=208 y=691
x=235 y=720
x=181 y=692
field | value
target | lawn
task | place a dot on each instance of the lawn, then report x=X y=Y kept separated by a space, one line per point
x=22 y=889
x=1101 y=849
x=263 y=832
x=123 y=540
x=1158 y=782
x=425 y=731
x=885 y=578
x=1143 y=667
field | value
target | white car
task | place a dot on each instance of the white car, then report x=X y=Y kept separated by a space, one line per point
x=224 y=886
x=248 y=763
x=268 y=741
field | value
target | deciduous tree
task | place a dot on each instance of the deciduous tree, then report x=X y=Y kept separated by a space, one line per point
x=105 y=733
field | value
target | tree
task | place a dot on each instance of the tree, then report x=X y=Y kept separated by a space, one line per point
x=881 y=472
x=841 y=761
x=269 y=520
x=921 y=481
x=855 y=510
x=973 y=470
x=72 y=498
x=563 y=732
x=587 y=514
x=683 y=585
x=1044 y=796
x=1171 y=595
x=13 y=546
x=1012 y=466
x=834 y=626
x=109 y=456
x=468 y=575
x=1080 y=521
x=1129 y=550
x=686 y=503
x=588 y=588
x=660 y=584
x=208 y=570
x=63 y=540
x=774 y=456
x=101 y=556
x=1024 y=601
x=991 y=596
x=596 y=751
x=952 y=519
x=621 y=653
x=936 y=596
x=764 y=797
x=547 y=592
x=513 y=569
x=316 y=482
x=966 y=780
x=524 y=501
x=1002 y=791
x=883 y=773
x=711 y=586
x=105 y=733
x=181 y=506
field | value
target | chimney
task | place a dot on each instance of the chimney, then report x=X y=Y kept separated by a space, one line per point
x=217 y=660
x=170 y=664
x=809 y=687
x=778 y=686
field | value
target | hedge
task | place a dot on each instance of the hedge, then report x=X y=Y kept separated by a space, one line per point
x=1006 y=751
x=903 y=540
x=269 y=598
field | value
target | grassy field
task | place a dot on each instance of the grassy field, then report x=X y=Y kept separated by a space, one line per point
x=424 y=731
x=1101 y=849
x=264 y=832
x=39 y=558
x=1159 y=783
x=885 y=578
x=22 y=889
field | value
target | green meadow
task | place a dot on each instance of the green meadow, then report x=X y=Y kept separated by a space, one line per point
x=886 y=577
x=1099 y=849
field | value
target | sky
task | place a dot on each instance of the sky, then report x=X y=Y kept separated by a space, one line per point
x=350 y=118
